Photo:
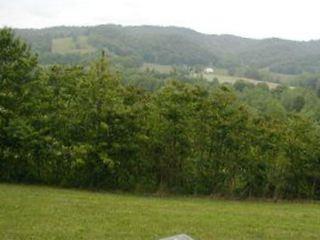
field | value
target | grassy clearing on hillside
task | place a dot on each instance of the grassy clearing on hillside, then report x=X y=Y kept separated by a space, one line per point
x=70 y=45
x=62 y=45
x=30 y=212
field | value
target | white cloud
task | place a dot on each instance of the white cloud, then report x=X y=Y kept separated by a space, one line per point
x=295 y=19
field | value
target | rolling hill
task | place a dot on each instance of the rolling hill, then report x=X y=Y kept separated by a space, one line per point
x=172 y=46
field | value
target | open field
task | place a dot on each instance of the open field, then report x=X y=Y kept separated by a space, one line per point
x=233 y=79
x=30 y=212
x=220 y=74
x=62 y=45
x=70 y=45
x=157 y=67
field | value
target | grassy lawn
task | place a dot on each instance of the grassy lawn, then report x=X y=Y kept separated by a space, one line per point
x=31 y=212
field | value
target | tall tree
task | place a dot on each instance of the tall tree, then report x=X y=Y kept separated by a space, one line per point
x=17 y=70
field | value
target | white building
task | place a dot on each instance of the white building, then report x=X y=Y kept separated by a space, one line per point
x=208 y=70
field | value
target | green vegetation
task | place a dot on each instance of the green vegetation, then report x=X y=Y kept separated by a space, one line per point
x=157 y=67
x=62 y=45
x=175 y=46
x=85 y=126
x=234 y=79
x=45 y=213
x=69 y=45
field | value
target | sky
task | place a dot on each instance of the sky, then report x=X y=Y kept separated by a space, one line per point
x=289 y=19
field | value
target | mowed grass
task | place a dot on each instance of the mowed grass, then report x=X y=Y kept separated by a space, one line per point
x=31 y=212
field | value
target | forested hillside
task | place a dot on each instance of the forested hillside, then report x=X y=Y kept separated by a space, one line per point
x=172 y=46
x=92 y=126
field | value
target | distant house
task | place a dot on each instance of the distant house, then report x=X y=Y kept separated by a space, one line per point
x=208 y=70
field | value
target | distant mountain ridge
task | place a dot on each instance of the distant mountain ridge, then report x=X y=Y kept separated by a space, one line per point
x=174 y=46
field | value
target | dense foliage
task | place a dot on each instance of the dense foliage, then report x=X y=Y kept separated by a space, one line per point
x=83 y=127
x=172 y=45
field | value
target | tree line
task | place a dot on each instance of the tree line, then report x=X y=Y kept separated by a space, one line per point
x=81 y=126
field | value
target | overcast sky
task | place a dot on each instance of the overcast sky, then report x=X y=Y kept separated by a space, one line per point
x=290 y=19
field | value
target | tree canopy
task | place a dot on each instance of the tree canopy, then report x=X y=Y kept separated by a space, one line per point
x=94 y=127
